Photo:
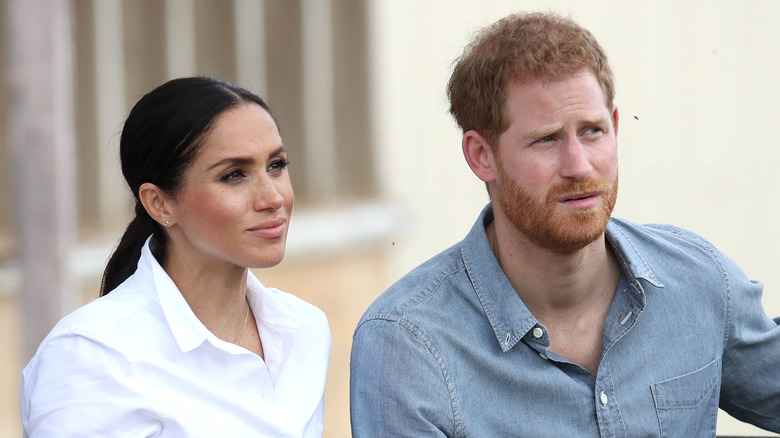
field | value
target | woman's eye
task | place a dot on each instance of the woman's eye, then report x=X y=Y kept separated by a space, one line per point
x=278 y=165
x=232 y=175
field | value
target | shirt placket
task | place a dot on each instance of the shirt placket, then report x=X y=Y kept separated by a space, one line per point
x=608 y=414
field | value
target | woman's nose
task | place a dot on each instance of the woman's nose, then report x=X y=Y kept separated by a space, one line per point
x=268 y=196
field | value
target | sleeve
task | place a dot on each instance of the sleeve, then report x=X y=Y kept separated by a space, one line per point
x=750 y=388
x=398 y=385
x=76 y=386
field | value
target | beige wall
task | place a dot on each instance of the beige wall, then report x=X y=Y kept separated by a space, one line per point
x=695 y=91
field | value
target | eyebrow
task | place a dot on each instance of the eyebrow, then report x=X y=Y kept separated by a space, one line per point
x=541 y=133
x=597 y=121
x=550 y=130
x=245 y=160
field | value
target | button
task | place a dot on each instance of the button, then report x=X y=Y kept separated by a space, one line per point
x=538 y=332
x=604 y=399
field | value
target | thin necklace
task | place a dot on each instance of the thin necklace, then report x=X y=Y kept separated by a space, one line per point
x=243 y=325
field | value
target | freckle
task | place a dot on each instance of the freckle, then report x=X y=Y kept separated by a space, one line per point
x=636 y=117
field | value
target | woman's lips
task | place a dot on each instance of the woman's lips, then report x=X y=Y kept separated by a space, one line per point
x=271 y=229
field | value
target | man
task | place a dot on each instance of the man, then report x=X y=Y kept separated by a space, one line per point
x=551 y=318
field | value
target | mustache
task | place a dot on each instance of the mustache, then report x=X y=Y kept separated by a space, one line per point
x=568 y=188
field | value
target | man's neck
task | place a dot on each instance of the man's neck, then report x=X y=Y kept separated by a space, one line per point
x=548 y=280
x=570 y=294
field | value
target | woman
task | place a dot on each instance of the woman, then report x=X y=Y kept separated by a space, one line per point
x=185 y=341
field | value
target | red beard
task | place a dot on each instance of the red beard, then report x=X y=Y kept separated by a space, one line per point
x=543 y=222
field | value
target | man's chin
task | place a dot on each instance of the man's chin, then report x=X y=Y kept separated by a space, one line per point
x=570 y=235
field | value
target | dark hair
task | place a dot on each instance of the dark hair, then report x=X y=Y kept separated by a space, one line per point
x=520 y=48
x=161 y=137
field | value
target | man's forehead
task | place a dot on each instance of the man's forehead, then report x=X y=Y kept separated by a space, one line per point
x=547 y=85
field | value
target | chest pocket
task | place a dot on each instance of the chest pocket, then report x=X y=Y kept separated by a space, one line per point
x=687 y=405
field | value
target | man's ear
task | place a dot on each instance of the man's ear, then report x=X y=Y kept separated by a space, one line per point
x=156 y=203
x=615 y=118
x=479 y=156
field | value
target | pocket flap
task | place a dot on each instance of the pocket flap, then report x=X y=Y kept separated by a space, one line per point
x=688 y=390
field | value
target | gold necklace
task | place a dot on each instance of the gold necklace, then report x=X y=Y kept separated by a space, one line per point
x=246 y=316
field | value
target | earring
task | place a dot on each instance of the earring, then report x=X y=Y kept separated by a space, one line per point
x=168 y=223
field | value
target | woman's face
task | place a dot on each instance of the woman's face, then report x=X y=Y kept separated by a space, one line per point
x=237 y=198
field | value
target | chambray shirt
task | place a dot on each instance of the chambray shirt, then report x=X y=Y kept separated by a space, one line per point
x=451 y=350
x=139 y=363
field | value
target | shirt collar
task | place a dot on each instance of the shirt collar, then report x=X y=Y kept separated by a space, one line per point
x=185 y=326
x=510 y=318
x=277 y=323
x=507 y=314
x=267 y=307
x=634 y=265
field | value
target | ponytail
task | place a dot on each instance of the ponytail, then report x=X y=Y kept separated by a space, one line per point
x=124 y=260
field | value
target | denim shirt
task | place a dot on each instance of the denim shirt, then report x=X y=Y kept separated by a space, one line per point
x=451 y=350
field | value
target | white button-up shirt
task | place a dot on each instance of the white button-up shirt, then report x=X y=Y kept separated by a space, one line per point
x=138 y=362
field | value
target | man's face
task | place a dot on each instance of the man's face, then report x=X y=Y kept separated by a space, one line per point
x=556 y=164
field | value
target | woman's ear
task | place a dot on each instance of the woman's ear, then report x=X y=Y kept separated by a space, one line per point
x=479 y=156
x=156 y=204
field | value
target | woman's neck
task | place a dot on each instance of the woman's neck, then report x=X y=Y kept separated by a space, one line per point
x=216 y=292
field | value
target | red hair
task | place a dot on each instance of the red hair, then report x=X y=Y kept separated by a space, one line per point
x=520 y=48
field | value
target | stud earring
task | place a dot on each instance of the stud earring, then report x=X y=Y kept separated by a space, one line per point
x=168 y=223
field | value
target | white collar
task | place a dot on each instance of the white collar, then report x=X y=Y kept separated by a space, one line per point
x=275 y=319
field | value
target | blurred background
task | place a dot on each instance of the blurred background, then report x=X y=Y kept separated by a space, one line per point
x=380 y=182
